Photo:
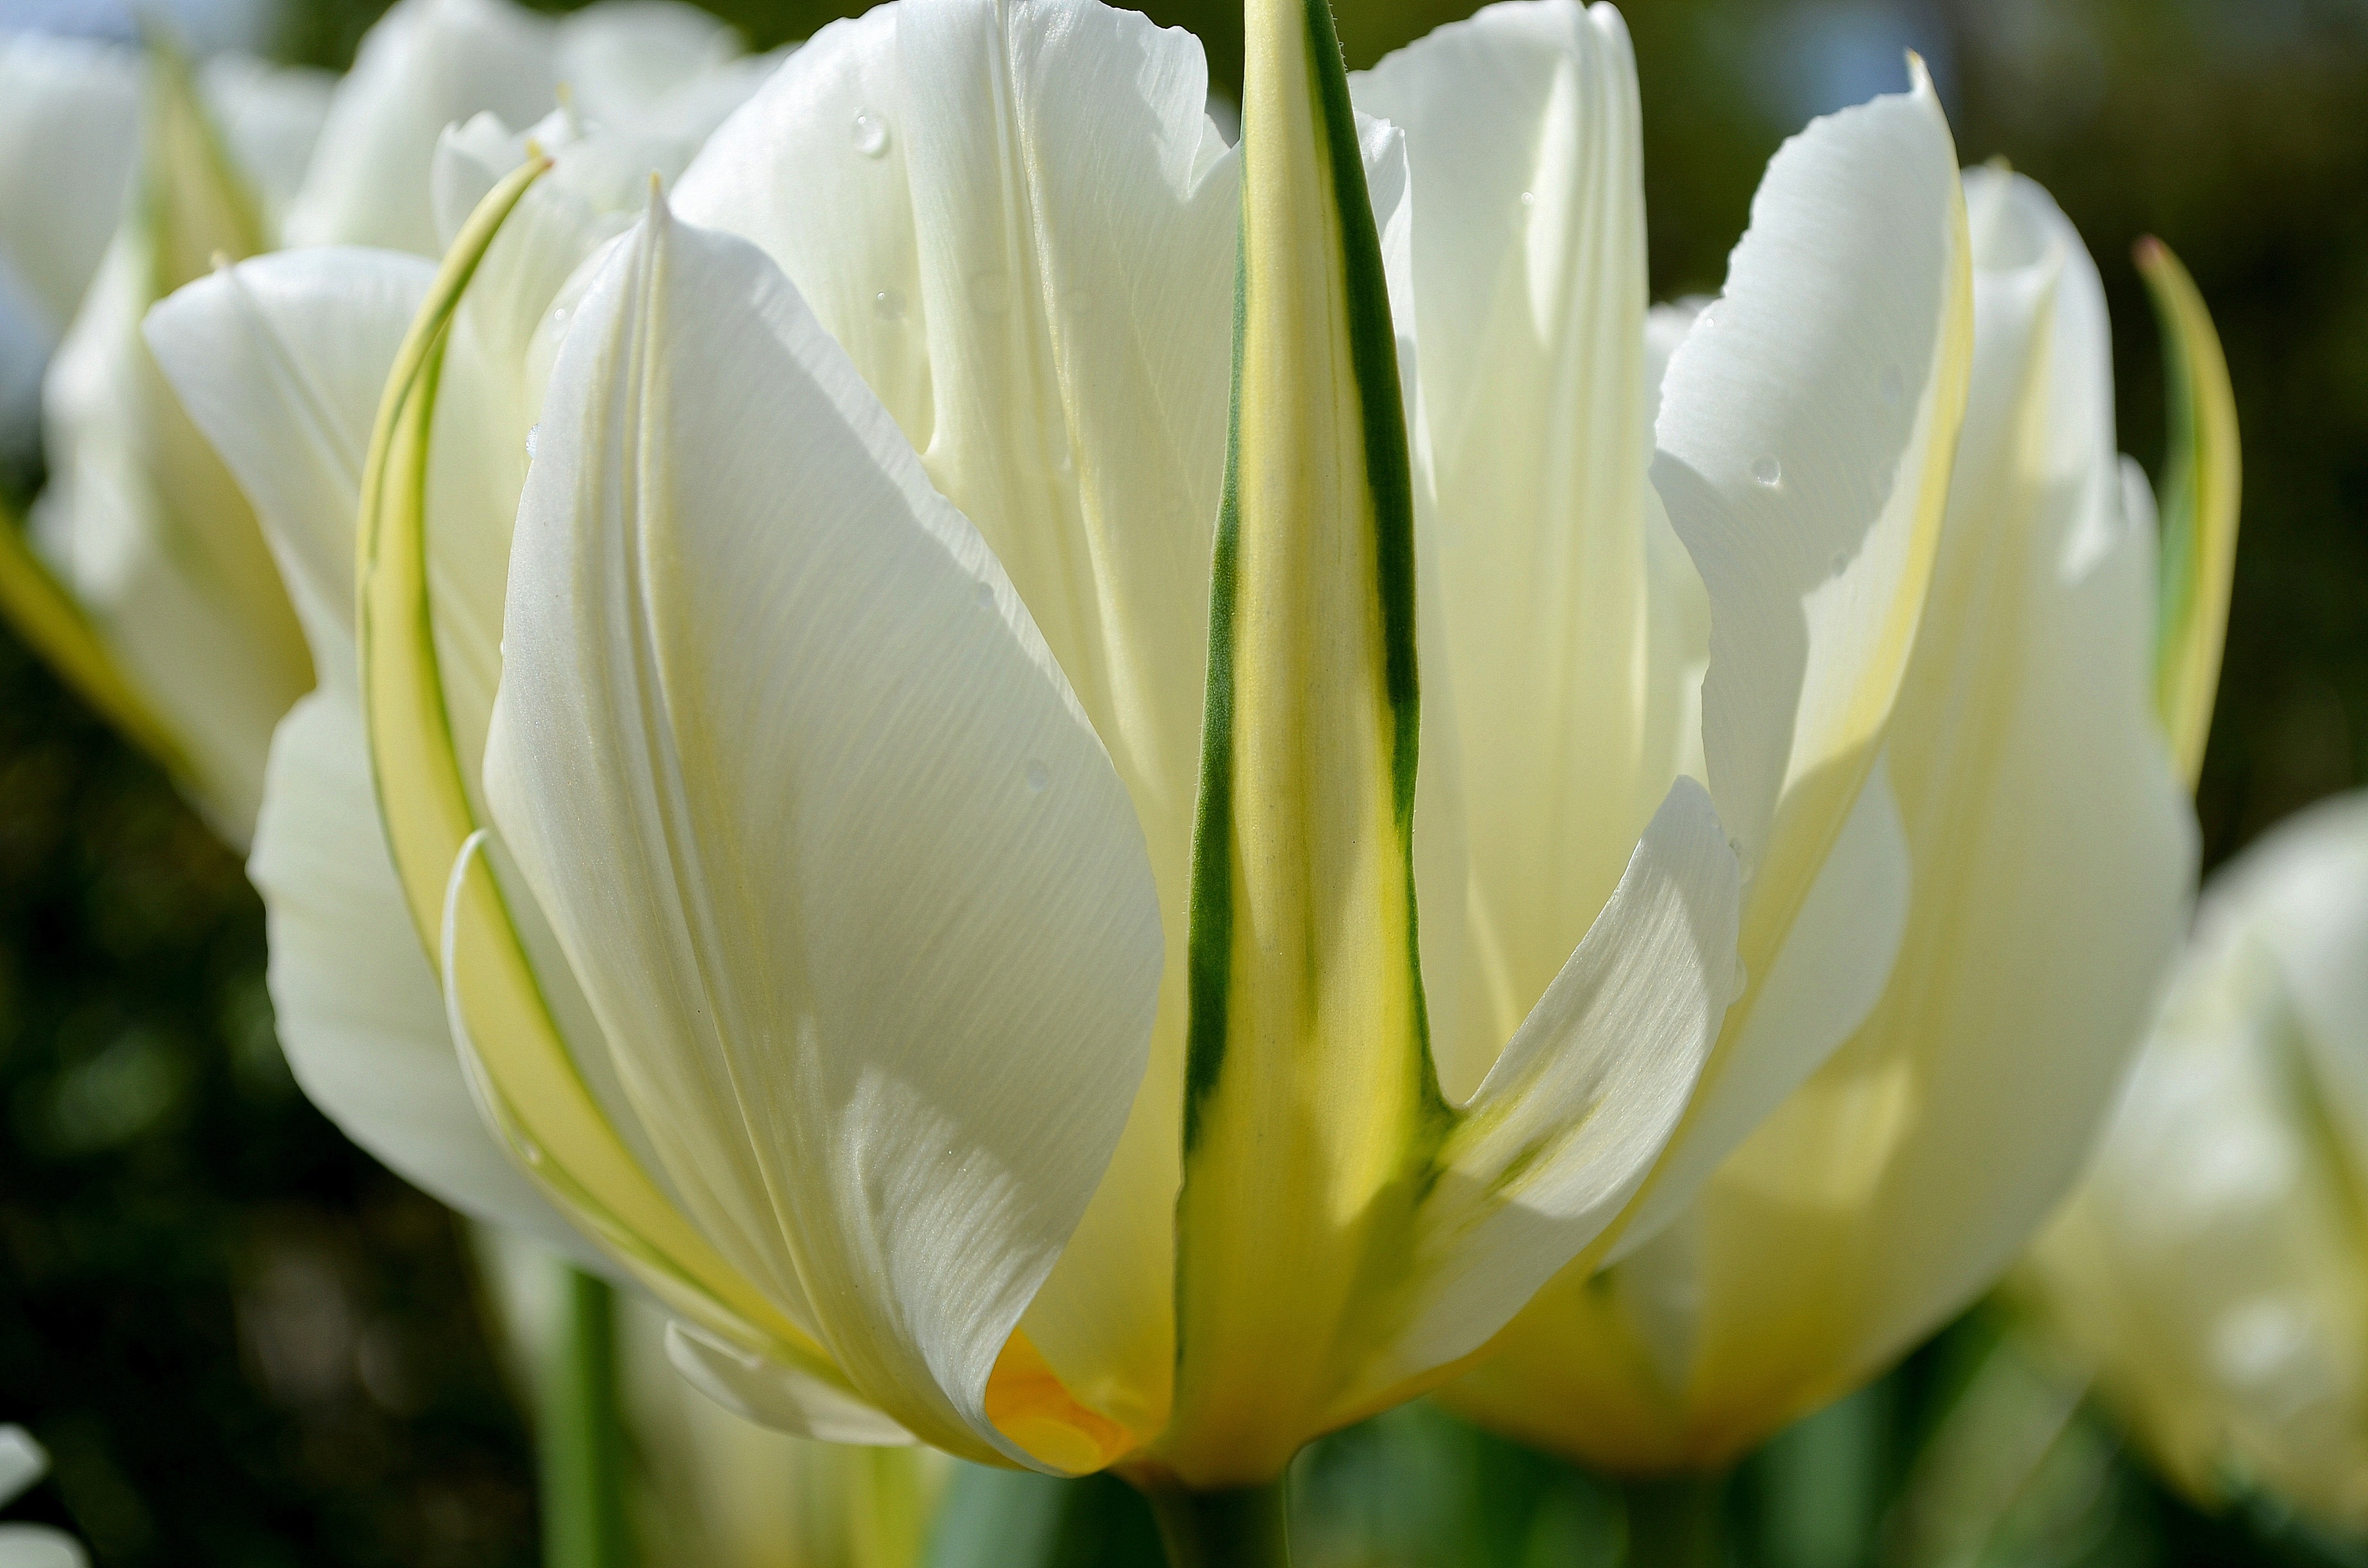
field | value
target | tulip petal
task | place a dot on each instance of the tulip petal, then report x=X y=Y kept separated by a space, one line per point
x=773 y=1395
x=1807 y=428
x=279 y=362
x=2051 y=855
x=426 y=65
x=2202 y=486
x=1570 y=1118
x=2305 y=888
x=849 y=878
x=148 y=528
x=69 y=131
x=270 y=117
x=1311 y=1105
x=1834 y=965
x=358 y=1008
x=1529 y=301
x=1021 y=225
x=617 y=56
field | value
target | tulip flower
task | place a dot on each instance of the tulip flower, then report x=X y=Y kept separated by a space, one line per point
x=2210 y=1271
x=954 y=948
x=2049 y=856
x=151 y=587
x=164 y=605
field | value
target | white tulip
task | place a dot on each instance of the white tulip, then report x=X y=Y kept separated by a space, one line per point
x=852 y=675
x=2210 y=1270
x=2049 y=857
x=167 y=607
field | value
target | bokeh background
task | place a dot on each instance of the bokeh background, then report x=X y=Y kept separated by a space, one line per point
x=246 y=1343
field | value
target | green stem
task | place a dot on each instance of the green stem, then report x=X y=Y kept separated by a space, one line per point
x=583 y=1436
x=1675 y=1521
x=1247 y=1526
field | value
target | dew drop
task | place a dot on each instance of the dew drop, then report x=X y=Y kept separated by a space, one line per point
x=1039 y=779
x=559 y=316
x=534 y=1154
x=1894 y=386
x=531 y=432
x=870 y=134
x=986 y=596
x=1529 y=198
x=1767 y=472
x=989 y=292
x=889 y=304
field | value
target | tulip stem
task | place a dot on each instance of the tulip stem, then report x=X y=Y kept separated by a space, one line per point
x=1245 y=1526
x=583 y=1437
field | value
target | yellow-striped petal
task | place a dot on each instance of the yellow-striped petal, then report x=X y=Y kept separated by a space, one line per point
x=1312 y=1108
x=525 y=1078
x=2202 y=487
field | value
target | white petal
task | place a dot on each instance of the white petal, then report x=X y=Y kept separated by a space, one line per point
x=618 y=57
x=1834 y=964
x=270 y=117
x=69 y=127
x=1031 y=263
x=849 y=878
x=37 y=1546
x=1570 y=1118
x=2304 y=890
x=154 y=537
x=1803 y=424
x=281 y=361
x=1804 y=436
x=426 y=65
x=1529 y=309
x=777 y=1397
x=359 y=1011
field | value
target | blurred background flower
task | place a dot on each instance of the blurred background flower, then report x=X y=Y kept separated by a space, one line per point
x=243 y=1342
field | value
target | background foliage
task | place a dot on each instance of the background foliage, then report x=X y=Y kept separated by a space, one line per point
x=247 y=1345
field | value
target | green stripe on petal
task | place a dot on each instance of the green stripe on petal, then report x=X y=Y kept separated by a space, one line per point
x=1312 y=1108
x=519 y=1064
x=2201 y=492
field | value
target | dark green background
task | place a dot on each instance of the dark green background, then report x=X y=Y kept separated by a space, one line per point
x=246 y=1345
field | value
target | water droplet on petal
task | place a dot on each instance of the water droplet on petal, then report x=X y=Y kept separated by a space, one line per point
x=533 y=1152
x=1767 y=472
x=989 y=292
x=870 y=134
x=986 y=596
x=531 y=432
x=889 y=304
x=559 y=314
x=1529 y=198
x=1039 y=778
x=1894 y=386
